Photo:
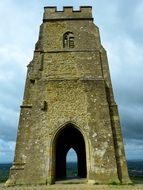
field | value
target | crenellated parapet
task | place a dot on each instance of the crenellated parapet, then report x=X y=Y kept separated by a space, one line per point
x=51 y=13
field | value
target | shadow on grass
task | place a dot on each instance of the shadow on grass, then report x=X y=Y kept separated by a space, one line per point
x=137 y=179
x=3 y=179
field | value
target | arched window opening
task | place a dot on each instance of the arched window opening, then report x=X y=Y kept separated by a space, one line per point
x=71 y=164
x=68 y=40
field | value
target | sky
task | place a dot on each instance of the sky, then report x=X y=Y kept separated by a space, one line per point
x=121 y=30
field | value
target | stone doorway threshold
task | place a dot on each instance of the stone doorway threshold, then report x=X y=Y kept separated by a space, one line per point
x=72 y=181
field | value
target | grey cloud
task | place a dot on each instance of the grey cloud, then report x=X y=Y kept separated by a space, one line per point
x=134 y=149
x=7 y=151
x=8 y=132
x=129 y=16
x=132 y=123
x=121 y=34
x=8 y=124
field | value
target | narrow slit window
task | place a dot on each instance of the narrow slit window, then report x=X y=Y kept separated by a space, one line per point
x=68 y=40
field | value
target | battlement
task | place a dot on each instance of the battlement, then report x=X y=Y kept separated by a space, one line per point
x=51 y=13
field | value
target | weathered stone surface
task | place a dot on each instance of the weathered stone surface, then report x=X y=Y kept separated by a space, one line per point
x=68 y=96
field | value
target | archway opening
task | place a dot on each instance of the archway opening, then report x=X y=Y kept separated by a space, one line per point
x=71 y=164
x=70 y=137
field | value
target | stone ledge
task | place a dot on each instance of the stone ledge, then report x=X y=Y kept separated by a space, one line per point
x=26 y=106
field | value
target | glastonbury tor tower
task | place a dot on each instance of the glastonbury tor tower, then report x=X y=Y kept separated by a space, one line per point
x=68 y=103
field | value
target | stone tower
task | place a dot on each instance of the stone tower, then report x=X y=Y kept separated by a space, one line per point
x=68 y=103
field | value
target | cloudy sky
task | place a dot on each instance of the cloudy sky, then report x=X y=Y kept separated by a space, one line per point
x=121 y=29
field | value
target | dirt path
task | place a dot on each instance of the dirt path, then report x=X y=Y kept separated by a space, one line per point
x=75 y=187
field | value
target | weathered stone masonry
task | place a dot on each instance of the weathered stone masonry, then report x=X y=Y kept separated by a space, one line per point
x=68 y=102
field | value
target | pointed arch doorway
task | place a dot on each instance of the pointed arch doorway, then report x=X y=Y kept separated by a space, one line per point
x=67 y=138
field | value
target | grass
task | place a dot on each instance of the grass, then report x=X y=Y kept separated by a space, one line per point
x=3 y=179
x=137 y=179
